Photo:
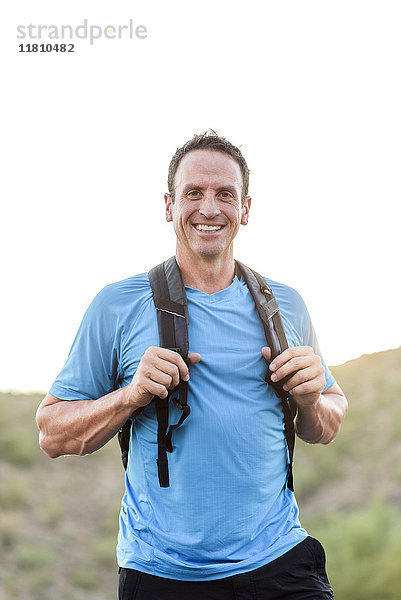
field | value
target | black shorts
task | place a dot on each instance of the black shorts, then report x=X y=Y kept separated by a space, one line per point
x=299 y=574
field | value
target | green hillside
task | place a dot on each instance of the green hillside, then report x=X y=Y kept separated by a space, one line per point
x=58 y=518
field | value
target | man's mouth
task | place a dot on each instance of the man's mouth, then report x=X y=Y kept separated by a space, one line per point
x=201 y=227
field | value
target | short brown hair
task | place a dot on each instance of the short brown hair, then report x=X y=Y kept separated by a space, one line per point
x=209 y=140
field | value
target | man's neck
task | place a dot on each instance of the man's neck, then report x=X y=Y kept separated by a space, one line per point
x=209 y=276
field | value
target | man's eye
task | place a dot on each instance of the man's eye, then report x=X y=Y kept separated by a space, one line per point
x=226 y=195
x=193 y=193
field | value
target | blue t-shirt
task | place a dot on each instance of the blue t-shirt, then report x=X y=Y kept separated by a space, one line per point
x=228 y=509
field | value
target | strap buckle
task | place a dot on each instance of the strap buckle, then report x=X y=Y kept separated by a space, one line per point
x=184 y=407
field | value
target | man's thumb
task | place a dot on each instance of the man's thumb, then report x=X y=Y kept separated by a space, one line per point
x=194 y=357
x=266 y=352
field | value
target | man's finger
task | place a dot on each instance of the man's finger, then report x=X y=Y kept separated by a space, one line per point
x=292 y=366
x=172 y=357
x=194 y=357
x=300 y=377
x=288 y=354
x=266 y=352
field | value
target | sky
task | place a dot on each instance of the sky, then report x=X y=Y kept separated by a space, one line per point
x=309 y=90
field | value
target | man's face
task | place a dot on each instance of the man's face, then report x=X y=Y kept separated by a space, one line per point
x=207 y=209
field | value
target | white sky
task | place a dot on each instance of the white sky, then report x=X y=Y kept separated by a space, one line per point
x=309 y=89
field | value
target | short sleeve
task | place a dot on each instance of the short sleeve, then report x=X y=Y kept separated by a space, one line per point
x=310 y=339
x=91 y=369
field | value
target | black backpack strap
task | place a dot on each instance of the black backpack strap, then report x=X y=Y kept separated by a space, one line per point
x=269 y=314
x=123 y=437
x=172 y=319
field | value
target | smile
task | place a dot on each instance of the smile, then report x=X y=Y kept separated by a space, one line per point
x=208 y=227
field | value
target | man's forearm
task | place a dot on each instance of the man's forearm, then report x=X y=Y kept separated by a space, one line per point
x=321 y=422
x=81 y=426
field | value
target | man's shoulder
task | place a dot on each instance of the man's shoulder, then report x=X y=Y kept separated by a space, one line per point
x=136 y=283
x=285 y=293
x=293 y=310
x=124 y=293
x=291 y=304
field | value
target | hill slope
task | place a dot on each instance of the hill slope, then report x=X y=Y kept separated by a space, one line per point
x=365 y=459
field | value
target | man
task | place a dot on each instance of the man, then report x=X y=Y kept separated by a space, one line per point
x=227 y=527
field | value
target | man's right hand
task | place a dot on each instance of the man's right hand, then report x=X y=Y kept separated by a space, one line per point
x=83 y=426
x=159 y=371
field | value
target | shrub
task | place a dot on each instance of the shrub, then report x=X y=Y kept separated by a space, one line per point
x=13 y=495
x=33 y=557
x=364 y=551
x=84 y=578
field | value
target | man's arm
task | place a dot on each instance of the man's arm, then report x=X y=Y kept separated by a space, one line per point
x=320 y=414
x=320 y=423
x=83 y=426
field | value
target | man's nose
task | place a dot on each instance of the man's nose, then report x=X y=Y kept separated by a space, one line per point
x=209 y=207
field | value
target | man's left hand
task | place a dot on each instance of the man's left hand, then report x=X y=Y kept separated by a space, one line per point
x=308 y=381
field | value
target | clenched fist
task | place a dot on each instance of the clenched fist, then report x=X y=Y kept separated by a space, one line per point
x=308 y=379
x=159 y=371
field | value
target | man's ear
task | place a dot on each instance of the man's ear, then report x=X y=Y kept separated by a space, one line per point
x=245 y=210
x=169 y=207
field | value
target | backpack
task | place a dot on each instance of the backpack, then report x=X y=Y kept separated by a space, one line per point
x=172 y=318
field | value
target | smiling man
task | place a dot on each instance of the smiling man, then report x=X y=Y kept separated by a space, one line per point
x=206 y=203
x=227 y=527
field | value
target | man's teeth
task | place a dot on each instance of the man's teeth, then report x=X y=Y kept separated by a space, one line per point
x=207 y=227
